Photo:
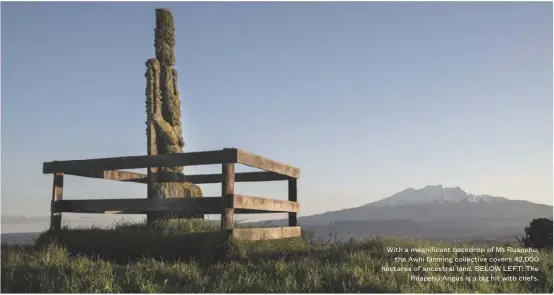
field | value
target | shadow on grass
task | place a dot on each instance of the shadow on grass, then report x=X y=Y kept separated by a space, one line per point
x=124 y=247
x=165 y=240
x=179 y=241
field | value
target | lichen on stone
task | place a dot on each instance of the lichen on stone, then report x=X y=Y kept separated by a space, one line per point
x=177 y=190
x=163 y=108
x=164 y=37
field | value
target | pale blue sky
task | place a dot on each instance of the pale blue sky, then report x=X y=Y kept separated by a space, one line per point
x=367 y=99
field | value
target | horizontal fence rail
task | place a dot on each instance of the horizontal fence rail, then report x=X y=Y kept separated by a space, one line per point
x=175 y=177
x=253 y=160
x=228 y=204
x=135 y=162
x=88 y=167
x=268 y=233
x=264 y=204
x=204 y=205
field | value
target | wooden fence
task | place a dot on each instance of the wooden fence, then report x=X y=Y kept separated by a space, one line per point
x=228 y=204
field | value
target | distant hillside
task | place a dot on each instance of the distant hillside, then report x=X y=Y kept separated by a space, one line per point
x=437 y=203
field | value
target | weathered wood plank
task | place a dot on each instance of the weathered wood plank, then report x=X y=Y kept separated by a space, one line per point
x=269 y=233
x=259 y=176
x=134 y=162
x=150 y=189
x=265 y=204
x=206 y=205
x=112 y=175
x=250 y=211
x=256 y=161
x=197 y=179
x=151 y=147
x=227 y=192
x=239 y=177
x=293 y=197
x=57 y=196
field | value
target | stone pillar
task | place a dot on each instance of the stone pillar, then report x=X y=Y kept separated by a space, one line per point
x=163 y=110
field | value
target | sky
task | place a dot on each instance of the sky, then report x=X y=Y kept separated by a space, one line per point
x=367 y=99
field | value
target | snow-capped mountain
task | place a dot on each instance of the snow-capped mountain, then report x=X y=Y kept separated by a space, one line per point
x=434 y=194
x=438 y=204
x=432 y=212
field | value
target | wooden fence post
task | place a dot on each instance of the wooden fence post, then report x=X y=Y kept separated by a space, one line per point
x=227 y=193
x=293 y=197
x=151 y=172
x=57 y=195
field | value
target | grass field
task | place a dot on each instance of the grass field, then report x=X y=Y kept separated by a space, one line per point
x=155 y=258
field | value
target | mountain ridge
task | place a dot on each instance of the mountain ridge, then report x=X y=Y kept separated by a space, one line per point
x=434 y=194
x=434 y=203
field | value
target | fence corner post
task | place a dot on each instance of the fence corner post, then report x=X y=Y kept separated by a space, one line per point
x=227 y=195
x=57 y=195
x=293 y=197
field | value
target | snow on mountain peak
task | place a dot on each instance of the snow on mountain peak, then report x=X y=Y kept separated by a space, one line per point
x=434 y=194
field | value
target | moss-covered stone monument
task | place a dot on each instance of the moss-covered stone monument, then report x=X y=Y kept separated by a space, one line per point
x=163 y=110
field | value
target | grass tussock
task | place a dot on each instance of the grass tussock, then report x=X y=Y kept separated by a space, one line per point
x=156 y=258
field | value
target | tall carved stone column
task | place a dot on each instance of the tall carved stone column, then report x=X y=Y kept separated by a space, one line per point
x=163 y=110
